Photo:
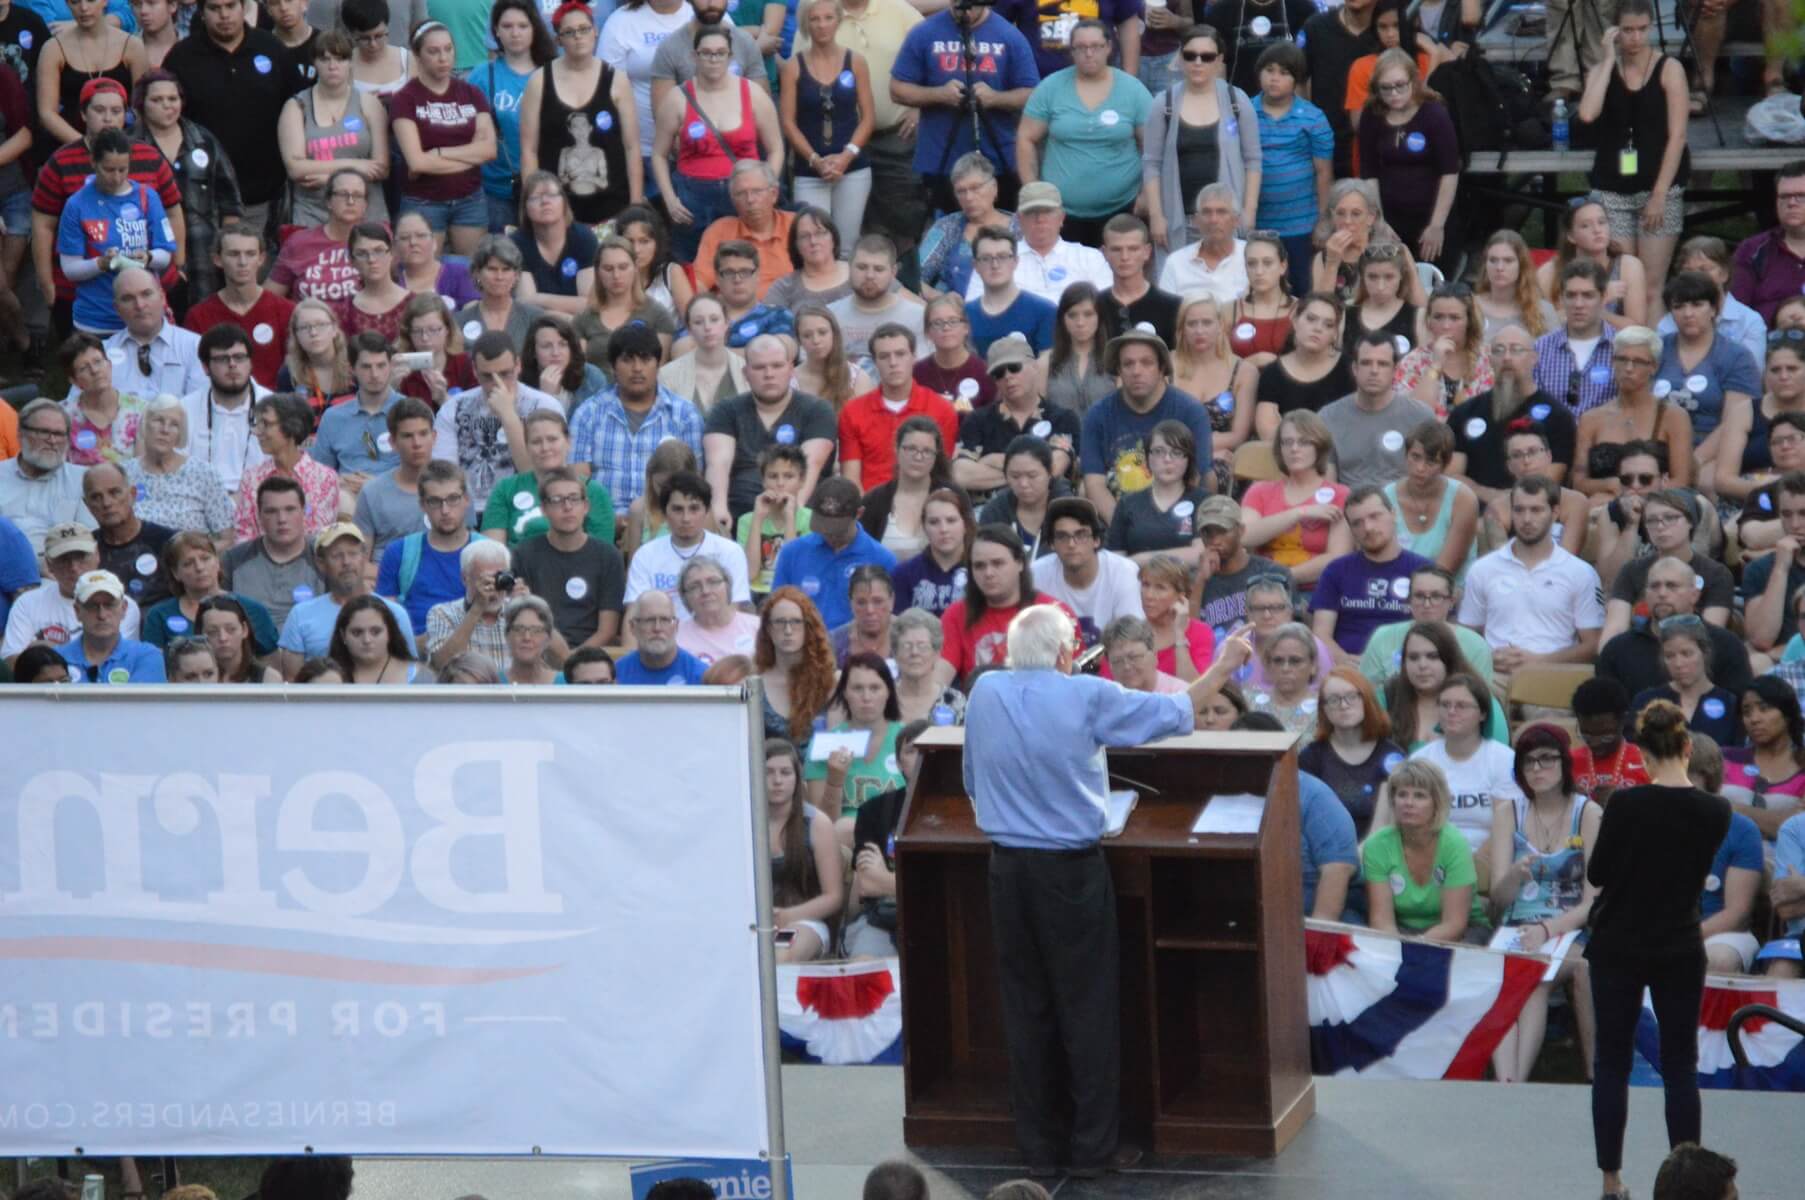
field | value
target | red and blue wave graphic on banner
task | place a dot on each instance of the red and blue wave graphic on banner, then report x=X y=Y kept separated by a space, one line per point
x=842 y=1013
x=1775 y=1054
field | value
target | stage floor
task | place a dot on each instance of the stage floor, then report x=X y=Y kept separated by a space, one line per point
x=1368 y=1141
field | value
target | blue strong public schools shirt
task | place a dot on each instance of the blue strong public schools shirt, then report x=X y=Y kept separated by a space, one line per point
x=1034 y=761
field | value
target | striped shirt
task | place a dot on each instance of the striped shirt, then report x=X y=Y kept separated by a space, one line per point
x=1289 y=148
x=1584 y=386
x=72 y=166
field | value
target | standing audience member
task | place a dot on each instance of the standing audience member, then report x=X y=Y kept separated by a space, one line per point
x=445 y=132
x=578 y=122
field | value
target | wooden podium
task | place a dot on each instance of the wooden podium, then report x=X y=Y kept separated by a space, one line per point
x=1215 y=1028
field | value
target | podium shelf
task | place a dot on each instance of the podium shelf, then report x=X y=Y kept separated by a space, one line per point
x=1245 y=945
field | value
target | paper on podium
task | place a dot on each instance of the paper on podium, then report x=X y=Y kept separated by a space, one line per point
x=1239 y=813
x=1119 y=805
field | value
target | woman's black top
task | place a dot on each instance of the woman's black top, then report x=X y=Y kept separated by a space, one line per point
x=1654 y=849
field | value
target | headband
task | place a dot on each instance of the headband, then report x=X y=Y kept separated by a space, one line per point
x=425 y=28
x=94 y=87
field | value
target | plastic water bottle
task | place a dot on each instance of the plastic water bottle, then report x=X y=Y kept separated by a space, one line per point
x=1562 y=126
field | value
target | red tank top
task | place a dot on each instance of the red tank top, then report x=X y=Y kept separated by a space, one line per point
x=699 y=152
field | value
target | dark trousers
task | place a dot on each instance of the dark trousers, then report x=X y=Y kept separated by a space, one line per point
x=1087 y=231
x=1054 y=919
x=898 y=207
x=1677 y=985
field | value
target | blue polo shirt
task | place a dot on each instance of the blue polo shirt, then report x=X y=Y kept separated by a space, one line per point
x=350 y=439
x=1030 y=316
x=308 y=629
x=686 y=668
x=824 y=575
x=130 y=662
x=437 y=581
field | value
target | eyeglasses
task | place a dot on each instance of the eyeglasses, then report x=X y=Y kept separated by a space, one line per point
x=342 y=194
x=572 y=32
x=314 y=327
x=1502 y=351
x=1637 y=479
x=1200 y=56
x=785 y=623
x=1790 y=439
x=655 y=622
x=711 y=55
x=1267 y=610
x=1393 y=89
x=1526 y=454
x=1457 y=706
x=1090 y=48
x=1661 y=520
x=917 y=451
x=750 y=193
x=570 y=501
x=1286 y=660
x=1341 y=700
x=1781 y=337
x=948 y=324
x=1790 y=197
x=737 y=274
x=993 y=260
x=1542 y=760
x=1165 y=452
x=1073 y=537
x=439 y=503
x=710 y=584
x=529 y=630
x=1627 y=360
x=365 y=256
x=45 y=435
x=237 y=359
x=1002 y=369
x=1431 y=597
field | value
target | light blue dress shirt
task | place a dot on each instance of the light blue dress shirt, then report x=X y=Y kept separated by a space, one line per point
x=1034 y=752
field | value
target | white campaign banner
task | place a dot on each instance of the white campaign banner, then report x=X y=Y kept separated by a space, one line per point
x=379 y=922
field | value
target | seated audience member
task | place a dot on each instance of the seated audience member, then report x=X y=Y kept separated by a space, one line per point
x=1000 y=584
x=616 y=433
x=1359 y=591
x=100 y=653
x=948 y=366
x=1734 y=320
x=1184 y=645
x=129 y=547
x=1668 y=517
x=986 y=434
x=871 y=933
x=615 y=299
x=1289 y=670
x=755 y=223
x=1633 y=657
x=315 y=263
x=822 y=273
x=40 y=663
x=221 y=415
x=426 y=328
x=553 y=355
x=736 y=287
x=173 y=488
x=1748 y=455
x=947 y=248
x=496 y=264
x=822 y=561
x=915 y=641
x=1114 y=438
x=1431 y=600
x=892 y=511
x=1370 y=424
x=1296 y=519
x=1130 y=298
x=1702 y=371
x=558 y=250
x=777 y=516
x=591 y=666
x=738 y=430
x=1226 y=567
x=872 y=596
x=1269 y=605
x=369 y=645
x=353 y=437
x=1096 y=584
x=1710 y=708
x=1526 y=453
x=274 y=568
x=1127 y=643
x=281 y=423
x=795 y=660
x=1430 y=654
x=870 y=425
x=422 y=569
x=343 y=556
x=1331 y=853
x=1478 y=769
x=154 y=354
x=39 y=487
x=388 y=505
x=825 y=372
x=1733 y=883
x=1044 y=264
x=1216 y=264
x=1437 y=517
x=191 y=564
x=1604 y=760
x=935 y=578
x=657 y=658
x=807 y=872
x=1573 y=360
x=526 y=626
x=1352 y=752
x=872 y=304
x=841 y=782
x=1161 y=518
x=1691 y=1172
x=103 y=423
x=1758 y=525
x=190 y=660
x=1540 y=844
x=1419 y=870
x=1641 y=473
x=483 y=430
x=580 y=575
x=1605 y=431
x=709 y=372
x=379 y=302
x=243 y=301
x=658 y=564
x=227 y=628
x=318 y=360
x=1771 y=582
x=471 y=667
x=1483 y=425
x=996 y=305
x=1772 y=765
x=1563 y=625
x=48 y=613
x=472 y=623
x=715 y=629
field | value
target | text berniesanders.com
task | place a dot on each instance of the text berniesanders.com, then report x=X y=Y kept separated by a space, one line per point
x=250 y=1114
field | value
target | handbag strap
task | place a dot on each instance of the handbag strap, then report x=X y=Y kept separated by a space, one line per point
x=695 y=105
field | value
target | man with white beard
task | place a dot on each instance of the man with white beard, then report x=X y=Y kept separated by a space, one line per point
x=40 y=487
x=1481 y=425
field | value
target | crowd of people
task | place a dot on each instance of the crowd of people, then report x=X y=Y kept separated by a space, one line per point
x=652 y=344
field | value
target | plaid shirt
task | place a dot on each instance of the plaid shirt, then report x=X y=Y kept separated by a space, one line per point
x=617 y=456
x=442 y=620
x=1584 y=386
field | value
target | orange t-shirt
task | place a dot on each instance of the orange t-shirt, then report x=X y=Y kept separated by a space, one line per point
x=9 y=432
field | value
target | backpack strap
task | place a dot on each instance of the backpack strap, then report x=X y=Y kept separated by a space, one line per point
x=413 y=548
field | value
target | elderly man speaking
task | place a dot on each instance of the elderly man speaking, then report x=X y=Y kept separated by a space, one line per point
x=1035 y=771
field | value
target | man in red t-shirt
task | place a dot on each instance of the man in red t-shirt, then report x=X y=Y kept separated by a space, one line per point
x=1000 y=576
x=1604 y=761
x=868 y=423
x=102 y=107
x=243 y=301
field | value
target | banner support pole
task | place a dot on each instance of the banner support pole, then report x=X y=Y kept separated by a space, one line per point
x=766 y=933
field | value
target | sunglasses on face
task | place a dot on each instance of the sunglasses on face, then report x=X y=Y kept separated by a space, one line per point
x=1200 y=56
x=1005 y=369
x=1637 y=479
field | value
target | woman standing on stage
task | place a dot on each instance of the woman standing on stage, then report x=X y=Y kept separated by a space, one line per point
x=1653 y=851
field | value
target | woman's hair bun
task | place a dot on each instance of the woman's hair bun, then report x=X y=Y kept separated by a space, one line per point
x=1661 y=730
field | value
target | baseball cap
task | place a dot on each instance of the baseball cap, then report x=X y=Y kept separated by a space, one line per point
x=1040 y=194
x=337 y=530
x=95 y=583
x=1218 y=512
x=1006 y=350
x=1782 y=948
x=835 y=498
x=70 y=538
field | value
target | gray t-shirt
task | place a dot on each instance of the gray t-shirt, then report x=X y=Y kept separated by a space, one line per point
x=804 y=419
x=385 y=513
x=1369 y=446
x=580 y=585
x=858 y=325
x=277 y=586
x=675 y=59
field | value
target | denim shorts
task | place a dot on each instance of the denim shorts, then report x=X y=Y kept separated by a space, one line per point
x=15 y=213
x=471 y=211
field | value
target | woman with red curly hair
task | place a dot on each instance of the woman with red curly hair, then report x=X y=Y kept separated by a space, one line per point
x=795 y=658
